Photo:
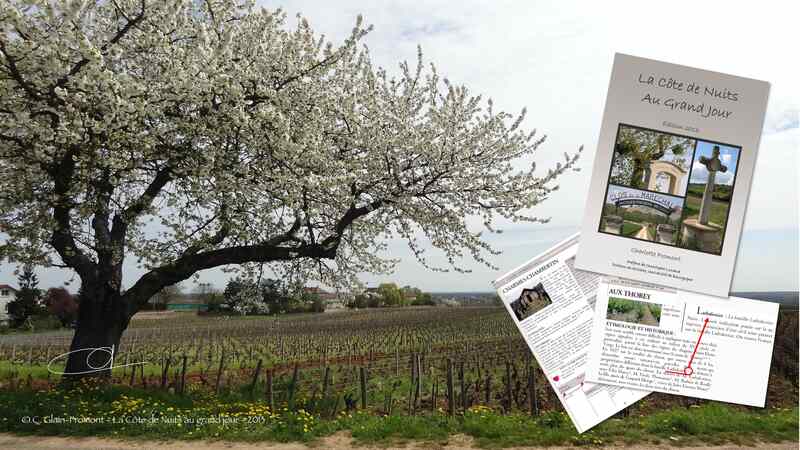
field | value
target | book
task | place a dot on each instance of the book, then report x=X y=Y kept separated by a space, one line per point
x=672 y=175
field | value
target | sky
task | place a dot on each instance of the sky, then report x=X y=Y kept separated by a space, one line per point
x=555 y=59
x=727 y=155
x=670 y=156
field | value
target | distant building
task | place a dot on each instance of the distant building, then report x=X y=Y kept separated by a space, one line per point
x=7 y=294
x=371 y=292
x=331 y=299
x=450 y=301
x=187 y=303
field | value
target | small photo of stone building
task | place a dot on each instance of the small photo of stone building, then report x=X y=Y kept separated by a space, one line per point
x=530 y=302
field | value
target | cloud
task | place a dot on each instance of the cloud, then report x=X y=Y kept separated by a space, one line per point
x=415 y=32
x=724 y=178
x=783 y=120
x=700 y=173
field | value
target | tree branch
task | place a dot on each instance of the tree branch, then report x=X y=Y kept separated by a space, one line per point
x=268 y=251
x=102 y=234
x=15 y=73
x=62 y=239
x=347 y=219
x=123 y=219
x=117 y=37
x=219 y=236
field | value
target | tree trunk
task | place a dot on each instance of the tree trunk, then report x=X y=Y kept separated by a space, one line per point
x=637 y=177
x=102 y=317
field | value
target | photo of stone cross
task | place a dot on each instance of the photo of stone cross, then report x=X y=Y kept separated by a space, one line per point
x=709 y=196
x=713 y=165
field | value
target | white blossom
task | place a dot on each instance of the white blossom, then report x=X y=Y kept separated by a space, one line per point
x=194 y=134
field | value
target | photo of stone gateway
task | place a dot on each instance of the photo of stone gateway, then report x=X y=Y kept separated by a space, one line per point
x=669 y=189
x=651 y=160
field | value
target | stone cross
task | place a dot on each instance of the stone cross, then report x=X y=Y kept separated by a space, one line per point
x=713 y=165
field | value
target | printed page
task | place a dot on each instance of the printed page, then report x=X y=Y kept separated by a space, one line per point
x=677 y=342
x=672 y=173
x=551 y=304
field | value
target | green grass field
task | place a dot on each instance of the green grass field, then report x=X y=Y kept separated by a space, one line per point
x=630 y=228
x=136 y=414
x=722 y=192
x=719 y=210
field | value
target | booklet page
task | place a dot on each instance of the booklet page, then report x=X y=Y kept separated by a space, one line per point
x=551 y=303
x=678 y=342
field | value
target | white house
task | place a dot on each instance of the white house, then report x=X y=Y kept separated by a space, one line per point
x=331 y=299
x=7 y=293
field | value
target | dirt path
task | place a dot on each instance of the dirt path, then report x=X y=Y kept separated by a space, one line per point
x=643 y=234
x=339 y=441
x=647 y=317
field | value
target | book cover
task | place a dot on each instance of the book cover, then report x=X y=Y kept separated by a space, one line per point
x=672 y=174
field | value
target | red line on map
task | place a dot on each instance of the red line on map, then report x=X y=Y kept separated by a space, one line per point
x=705 y=323
x=688 y=371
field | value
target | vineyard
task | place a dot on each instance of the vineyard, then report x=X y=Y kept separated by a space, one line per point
x=388 y=360
x=382 y=361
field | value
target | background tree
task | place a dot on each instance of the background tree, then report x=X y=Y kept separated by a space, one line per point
x=312 y=301
x=410 y=294
x=359 y=301
x=390 y=294
x=635 y=148
x=62 y=304
x=374 y=301
x=204 y=290
x=276 y=296
x=242 y=296
x=622 y=169
x=27 y=301
x=232 y=295
x=209 y=295
x=166 y=295
x=424 y=299
x=232 y=289
x=194 y=135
